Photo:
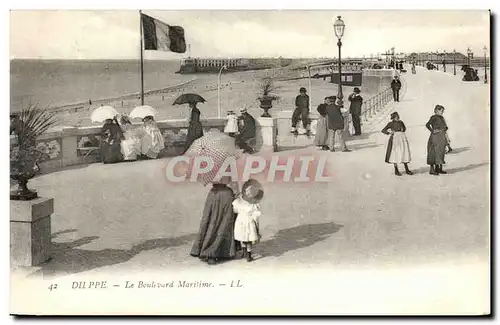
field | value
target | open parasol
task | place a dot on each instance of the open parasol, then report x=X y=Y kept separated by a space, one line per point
x=143 y=111
x=103 y=113
x=216 y=146
x=189 y=98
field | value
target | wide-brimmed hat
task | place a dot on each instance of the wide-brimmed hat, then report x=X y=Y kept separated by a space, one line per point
x=356 y=90
x=252 y=191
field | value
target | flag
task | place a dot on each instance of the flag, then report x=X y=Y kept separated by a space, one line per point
x=159 y=36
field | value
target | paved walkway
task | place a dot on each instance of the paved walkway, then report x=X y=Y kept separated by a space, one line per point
x=126 y=219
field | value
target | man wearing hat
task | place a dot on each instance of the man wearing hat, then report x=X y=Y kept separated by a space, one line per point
x=246 y=137
x=395 y=86
x=301 y=111
x=355 y=109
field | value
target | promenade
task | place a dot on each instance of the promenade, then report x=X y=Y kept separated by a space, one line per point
x=125 y=219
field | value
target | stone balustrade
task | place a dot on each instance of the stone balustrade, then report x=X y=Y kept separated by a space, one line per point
x=70 y=146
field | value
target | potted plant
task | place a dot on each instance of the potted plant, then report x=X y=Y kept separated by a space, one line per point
x=267 y=90
x=25 y=157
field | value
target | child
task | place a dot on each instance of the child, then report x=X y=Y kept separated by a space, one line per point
x=398 y=148
x=231 y=124
x=246 y=227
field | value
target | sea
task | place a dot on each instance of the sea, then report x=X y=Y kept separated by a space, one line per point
x=57 y=83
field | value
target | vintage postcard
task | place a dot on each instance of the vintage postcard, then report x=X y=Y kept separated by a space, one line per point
x=232 y=162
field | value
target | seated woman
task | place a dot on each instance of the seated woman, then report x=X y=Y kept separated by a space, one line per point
x=131 y=146
x=111 y=137
x=152 y=142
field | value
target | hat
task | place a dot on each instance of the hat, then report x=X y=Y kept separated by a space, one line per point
x=356 y=90
x=252 y=191
x=243 y=110
x=394 y=115
x=302 y=90
x=438 y=108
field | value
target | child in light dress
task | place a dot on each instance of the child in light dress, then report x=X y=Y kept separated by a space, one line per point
x=152 y=142
x=247 y=208
x=231 y=127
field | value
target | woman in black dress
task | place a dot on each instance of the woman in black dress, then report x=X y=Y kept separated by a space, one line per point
x=195 y=130
x=215 y=239
x=111 y=138
x=436 y=146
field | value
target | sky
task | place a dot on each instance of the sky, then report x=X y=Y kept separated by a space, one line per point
x=115 y=34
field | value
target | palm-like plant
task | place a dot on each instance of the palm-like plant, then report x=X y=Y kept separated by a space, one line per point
x=268 y=93
x=25 y=157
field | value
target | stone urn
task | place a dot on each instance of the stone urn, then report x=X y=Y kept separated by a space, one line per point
x=266 y=103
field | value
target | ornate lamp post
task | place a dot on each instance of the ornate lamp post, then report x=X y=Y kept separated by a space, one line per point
x=454 y=62
x=218 y=91
x=485 y=65
x=339 y=27
x=444 y=61
x=469 y=54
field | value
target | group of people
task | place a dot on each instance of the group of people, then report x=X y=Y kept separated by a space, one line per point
x=332 y=123
x=229 y=225
x=122 y=141
x=398 y=148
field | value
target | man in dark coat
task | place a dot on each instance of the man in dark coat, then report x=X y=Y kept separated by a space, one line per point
x=301 y=111
x=395 y=86
x=335 y=124
x=355 y=109
x=247 y=128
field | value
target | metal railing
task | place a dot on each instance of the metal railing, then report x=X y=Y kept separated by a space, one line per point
x=376 y=103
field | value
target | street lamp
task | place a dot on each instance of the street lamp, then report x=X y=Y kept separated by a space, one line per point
x=339 y=27
x=218 y=91
x=485 y=65
x=469 y=54
x=454 y=62
x=444 y=61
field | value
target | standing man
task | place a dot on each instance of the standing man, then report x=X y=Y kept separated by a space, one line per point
x=246 y=137
x=335 y=124
x=395 y=86
x=301 y=112
x=355 y=109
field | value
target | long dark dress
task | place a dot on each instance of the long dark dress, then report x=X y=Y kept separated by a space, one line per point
x=195 y=130
x=111 y=137
x=436 y=146
x=215 y=238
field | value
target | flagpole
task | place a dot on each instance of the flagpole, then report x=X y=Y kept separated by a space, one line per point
x=142 y=59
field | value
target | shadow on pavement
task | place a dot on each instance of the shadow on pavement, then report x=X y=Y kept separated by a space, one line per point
x=424 y=170
x=458 y=150
x=67 y=258
x=296 y=238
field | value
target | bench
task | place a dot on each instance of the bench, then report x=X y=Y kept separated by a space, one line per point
x=87 y=151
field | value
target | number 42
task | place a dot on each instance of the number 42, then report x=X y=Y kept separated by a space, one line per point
x=53 y=287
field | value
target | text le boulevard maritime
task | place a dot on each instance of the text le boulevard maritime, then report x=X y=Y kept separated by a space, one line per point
x=151 y=284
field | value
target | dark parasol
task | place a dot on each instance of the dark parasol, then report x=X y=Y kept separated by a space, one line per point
x=188 y=99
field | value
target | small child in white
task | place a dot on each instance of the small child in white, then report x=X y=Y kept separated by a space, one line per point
x=231 y=127
x=246 y=206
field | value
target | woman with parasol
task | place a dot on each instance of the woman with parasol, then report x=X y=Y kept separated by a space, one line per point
x=195 y=129
x=215 y=238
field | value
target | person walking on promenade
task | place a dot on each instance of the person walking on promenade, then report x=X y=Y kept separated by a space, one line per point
x=195 y=129
x=437 y=141
x=246 y=226
x=215 y=238
x=413 y=69
x=335 y=125
x=301 y=112
x=398 y=148
x=395 y=86
x=247 y=129
x=355 y=109
x=321 y=137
